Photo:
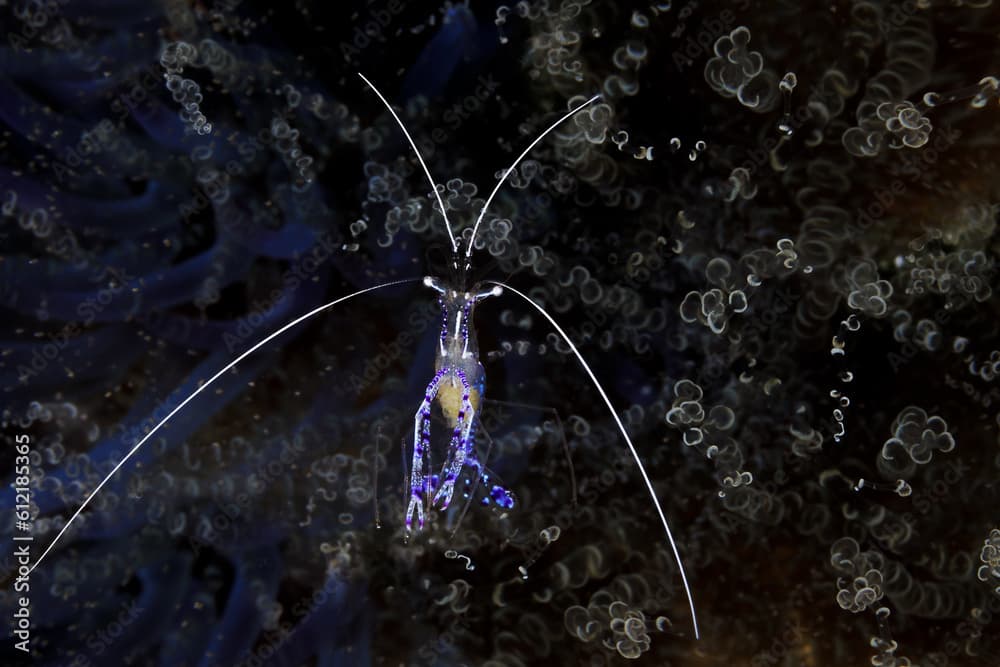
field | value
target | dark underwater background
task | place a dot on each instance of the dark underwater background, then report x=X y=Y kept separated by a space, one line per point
x=774 y=238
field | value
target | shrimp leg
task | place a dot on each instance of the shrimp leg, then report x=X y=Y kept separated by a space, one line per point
x=461 y=444
x=421 y=446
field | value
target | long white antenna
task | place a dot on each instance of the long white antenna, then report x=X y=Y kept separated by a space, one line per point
x=520 y=157
x=430 y=179
x=202 y=388
x=628 y=441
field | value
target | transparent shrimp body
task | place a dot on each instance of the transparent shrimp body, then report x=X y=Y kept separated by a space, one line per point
x=458 y=385
x=459 y=380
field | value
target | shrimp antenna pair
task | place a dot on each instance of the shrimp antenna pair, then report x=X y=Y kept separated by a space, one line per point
x=456 y=250
x=468 y=255
x=203 y=385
